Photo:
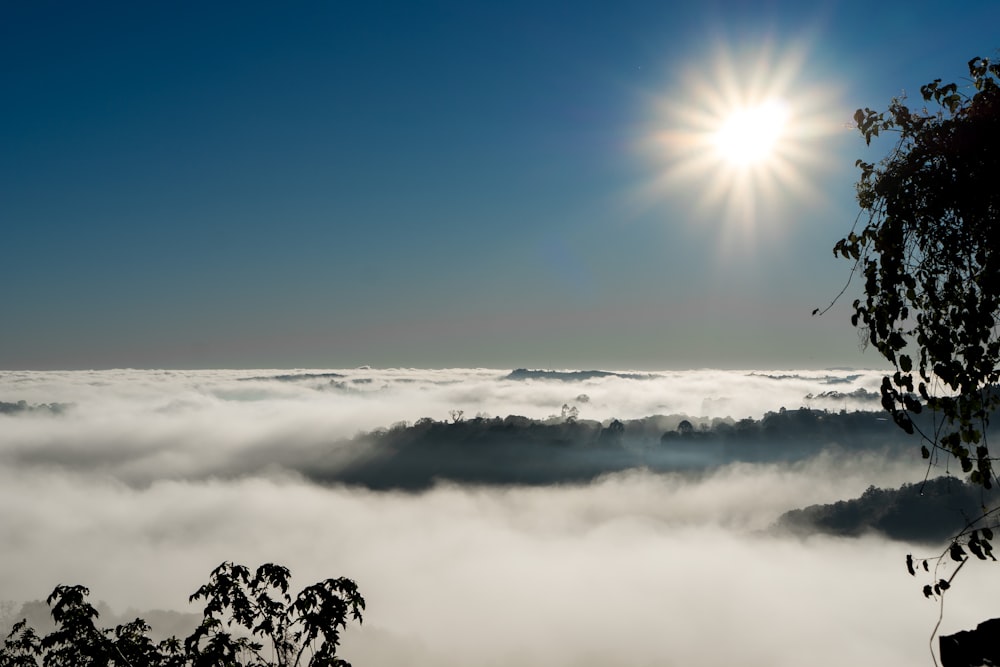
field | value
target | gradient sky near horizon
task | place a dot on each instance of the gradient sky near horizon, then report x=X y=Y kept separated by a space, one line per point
x=433 y=184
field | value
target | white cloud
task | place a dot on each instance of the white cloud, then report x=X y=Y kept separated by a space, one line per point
x=146 y=425
x=633 y=569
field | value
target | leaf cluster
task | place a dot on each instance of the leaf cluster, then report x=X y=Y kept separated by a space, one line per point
x=978 y=543
x=931 y=263
x=249 y=620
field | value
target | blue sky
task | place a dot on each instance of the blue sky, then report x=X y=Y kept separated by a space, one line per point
x=329 y=184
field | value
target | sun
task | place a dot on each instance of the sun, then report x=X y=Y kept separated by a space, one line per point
x=751 y=135
x=738 y=140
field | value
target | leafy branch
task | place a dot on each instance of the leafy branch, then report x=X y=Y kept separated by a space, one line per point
x=240 y=607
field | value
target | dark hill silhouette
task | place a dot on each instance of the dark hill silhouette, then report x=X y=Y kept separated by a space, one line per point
x=295 y=377
x=22 y=407
x=519 y=450
x=931 y=512
x=859 y=394
x=829 y=379
x=571 y=376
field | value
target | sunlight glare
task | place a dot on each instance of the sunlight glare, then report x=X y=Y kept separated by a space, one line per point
x=737 y=141
x=750 y=135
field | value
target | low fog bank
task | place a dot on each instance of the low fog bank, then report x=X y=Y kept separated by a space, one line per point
x=351 y=426
x=512 y=450
x=352 y=400
x=640 y=540
x=634 y=568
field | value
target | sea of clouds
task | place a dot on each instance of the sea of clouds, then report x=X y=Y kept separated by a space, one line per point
x=137 y=483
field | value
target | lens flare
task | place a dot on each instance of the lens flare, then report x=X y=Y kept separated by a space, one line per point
x=740 y=141
x=749 y=136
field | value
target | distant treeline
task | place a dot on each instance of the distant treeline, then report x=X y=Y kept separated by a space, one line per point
x=572 y=376
x=23 y=407
x=519 y=450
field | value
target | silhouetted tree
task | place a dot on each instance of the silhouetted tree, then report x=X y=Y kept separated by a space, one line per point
x=569 y=413
x=240 y=608
x=930 y=255
x=613 y=434
x=929 y=251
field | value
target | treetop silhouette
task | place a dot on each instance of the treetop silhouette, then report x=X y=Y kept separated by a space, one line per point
x=249 y=620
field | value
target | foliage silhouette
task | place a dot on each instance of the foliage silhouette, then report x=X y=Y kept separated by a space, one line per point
x=931 y=262
x=240 y=608
x=930 y=258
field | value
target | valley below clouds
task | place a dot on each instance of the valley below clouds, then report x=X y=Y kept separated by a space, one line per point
x=488 y=516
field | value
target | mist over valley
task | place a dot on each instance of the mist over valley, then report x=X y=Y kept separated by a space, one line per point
x=550 y=517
